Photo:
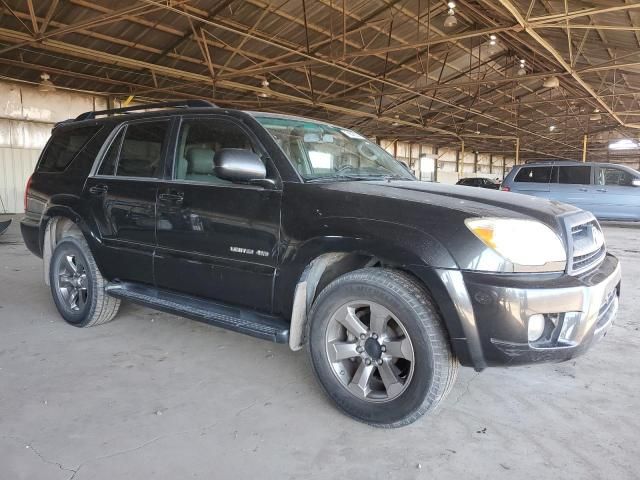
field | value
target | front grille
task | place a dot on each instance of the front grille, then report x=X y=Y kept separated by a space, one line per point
x=582 y=262
x=587 y=246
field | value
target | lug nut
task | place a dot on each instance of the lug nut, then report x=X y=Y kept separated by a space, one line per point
x=379 y=361
x=367 y=362
x=359 y=349
x=375 y=335
x=383 y=348
x=362 y=336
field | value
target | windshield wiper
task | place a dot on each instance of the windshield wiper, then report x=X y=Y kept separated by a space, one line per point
x=342 y=177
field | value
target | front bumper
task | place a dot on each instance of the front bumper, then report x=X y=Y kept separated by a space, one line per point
x=495 y=312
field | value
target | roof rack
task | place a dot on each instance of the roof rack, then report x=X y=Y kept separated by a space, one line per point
x=147 y=106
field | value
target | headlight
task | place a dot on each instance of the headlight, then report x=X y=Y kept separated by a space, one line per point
x=529 y=245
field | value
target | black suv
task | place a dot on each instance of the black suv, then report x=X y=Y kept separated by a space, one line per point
x=302 y=232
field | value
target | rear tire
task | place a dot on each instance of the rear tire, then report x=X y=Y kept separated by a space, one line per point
x=379 y=349
x=77 y=285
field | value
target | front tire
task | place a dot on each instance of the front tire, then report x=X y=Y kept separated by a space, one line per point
x=379 y=349
x=77 y=285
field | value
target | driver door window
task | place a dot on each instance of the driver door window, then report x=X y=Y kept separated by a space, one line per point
x=614 y=176
x=198 y=143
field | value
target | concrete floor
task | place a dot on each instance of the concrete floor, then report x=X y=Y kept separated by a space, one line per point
x=151 y=395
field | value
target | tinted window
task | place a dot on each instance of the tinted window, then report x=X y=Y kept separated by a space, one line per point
x=141 y=150
x=573 y=175
x=534 y=175
x=615 y=176
x=108 y=166
x=198 y=142
x=64 y=147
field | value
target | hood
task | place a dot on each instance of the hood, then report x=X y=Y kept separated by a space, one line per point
x=472 y=201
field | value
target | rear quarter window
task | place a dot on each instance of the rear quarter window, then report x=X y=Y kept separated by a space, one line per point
x=533 y=175
x=64 y=147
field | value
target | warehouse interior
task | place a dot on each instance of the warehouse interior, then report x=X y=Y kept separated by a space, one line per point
x=454 y=89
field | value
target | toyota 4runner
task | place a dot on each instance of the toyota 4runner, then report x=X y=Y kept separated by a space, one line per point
x=302 y=232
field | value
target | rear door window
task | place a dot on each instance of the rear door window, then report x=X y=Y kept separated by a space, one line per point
x=142 y=148
x=534 y=175
x=578 y=175
x=64 y=147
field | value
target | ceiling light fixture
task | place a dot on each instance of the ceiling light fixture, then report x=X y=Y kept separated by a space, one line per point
x=451 y=20
x=551 y=82
x=265 y=85
x=552 y=128
x=46 y=85
x=522 y=71
x=492 y=39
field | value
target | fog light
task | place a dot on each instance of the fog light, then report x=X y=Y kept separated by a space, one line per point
x=536 y=327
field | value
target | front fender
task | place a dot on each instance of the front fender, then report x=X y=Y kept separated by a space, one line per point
x=390 y=243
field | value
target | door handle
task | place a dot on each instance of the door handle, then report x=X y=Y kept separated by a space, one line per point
x=601 y=190
x=177 y=197
x=98 y=189
x=583 y=189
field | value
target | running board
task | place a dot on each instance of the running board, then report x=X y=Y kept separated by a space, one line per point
x=239 y=320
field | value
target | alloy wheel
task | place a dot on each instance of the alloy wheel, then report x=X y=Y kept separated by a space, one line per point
x=369 y=351
x=72 y=282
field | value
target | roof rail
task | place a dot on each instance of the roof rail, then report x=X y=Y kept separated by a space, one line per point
x=147 y=106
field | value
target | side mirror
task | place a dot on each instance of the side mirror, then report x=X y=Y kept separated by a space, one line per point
x=239 y=165
x=635 y=182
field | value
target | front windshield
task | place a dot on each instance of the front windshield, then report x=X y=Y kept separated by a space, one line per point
x=324 y=152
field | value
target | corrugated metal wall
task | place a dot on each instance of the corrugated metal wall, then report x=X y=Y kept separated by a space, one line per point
x=16 y=164
x=26 y=119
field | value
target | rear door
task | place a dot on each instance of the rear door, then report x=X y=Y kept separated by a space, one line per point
x=217 y=239
x=122 y=198
x=573 y=184
x=616 y=197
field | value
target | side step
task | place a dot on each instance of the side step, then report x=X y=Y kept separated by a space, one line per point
x=239 y=320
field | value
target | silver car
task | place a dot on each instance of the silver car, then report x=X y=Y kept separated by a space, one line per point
x=609 y=191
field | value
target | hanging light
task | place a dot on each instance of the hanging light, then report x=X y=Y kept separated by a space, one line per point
x=551 y=82
x=522 y=71
x=552 y=128
x=451 y=20
x=46 y=85
x=265 y=85
x=492 y=39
